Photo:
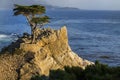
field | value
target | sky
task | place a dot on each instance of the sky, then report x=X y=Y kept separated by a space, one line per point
x=81 y=4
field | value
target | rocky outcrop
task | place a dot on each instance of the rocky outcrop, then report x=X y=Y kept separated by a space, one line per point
x=51 y=51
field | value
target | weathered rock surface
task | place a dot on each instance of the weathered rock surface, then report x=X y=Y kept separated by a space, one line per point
x=50 y=52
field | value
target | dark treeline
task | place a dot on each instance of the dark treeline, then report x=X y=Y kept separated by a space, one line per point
x=93 y=72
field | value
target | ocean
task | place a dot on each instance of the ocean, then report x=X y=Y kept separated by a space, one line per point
x=93 y=35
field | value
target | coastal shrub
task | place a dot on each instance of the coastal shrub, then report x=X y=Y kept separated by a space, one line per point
x=92 y=72
x=61 y=75
x=76 y=71
x=6 y=50
x=38 y=77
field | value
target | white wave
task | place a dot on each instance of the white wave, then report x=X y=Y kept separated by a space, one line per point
x=8 y=38
x=3 y=36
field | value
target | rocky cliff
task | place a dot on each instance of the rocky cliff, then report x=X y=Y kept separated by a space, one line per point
x=22 y=60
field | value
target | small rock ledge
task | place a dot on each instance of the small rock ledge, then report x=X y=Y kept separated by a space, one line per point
x=51 y=51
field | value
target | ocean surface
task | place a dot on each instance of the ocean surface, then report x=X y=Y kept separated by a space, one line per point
x=93 y=35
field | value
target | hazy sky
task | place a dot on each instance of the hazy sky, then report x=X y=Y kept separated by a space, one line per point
x=81 y=4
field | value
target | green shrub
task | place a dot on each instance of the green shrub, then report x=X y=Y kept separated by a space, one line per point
x=92 y=72
x=61 y=75
x=38 y=77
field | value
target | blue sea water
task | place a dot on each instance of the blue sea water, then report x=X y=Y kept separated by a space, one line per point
x=93 y=35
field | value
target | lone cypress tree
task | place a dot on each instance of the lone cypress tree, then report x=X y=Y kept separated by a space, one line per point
x=34 y=15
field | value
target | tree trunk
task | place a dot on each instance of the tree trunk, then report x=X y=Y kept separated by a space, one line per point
x=33 y=37
x=33 y=26
x=30 y=24
x=34 y=34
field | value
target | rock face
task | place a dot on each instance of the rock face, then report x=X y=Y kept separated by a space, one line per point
x=50 y=52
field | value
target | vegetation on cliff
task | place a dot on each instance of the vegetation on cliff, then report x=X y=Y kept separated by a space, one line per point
x=34 y=15
x=92 y=72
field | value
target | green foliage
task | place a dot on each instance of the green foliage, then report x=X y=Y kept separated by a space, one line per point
x=93 y=72
x=7 y=51
x=40 y=20
x=37 y=77
x=61 y=75
x=28 y=10
x=76 y=71
x=3 y=50
x=34 y=15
